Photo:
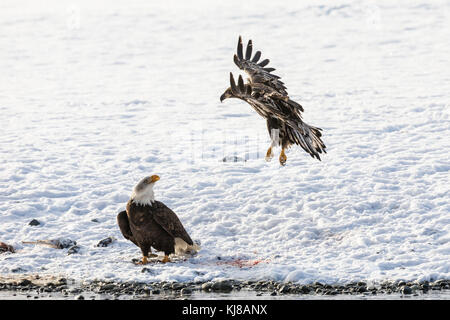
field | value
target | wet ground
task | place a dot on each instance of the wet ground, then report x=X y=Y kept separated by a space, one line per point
x=54 y=288
x=238 y=295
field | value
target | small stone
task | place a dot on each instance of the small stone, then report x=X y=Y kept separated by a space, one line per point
x=108 y=287
x=64 y=243
x=361 y=289
x=207 y=286
x=223 y=286
x=34 y=222
x=94 y=220
x=274 y=293
x=186 y=291
x=284 y=289
x=147 y=270
x=177 y=286
x=317 y=284
x=156 y=291
x=406 y=290
x=6 y=248
x=80 y=297
x=166 y=286
x=304 y=289
x=233 y=159
x=24 y=282
x=106 y=242
x=73 y=249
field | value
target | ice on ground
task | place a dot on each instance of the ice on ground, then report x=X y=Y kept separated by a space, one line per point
x=97 y=95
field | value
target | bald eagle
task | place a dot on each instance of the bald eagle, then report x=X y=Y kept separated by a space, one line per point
x=150 y=223
x=268 y=96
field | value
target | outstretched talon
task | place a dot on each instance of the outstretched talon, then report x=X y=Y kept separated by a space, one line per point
x=283 y=157
x=269 y=154
x=165 y=259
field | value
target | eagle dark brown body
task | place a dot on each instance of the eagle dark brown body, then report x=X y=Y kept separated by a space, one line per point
x=152 y=224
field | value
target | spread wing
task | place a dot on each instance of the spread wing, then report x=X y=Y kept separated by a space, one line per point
x=266 y=101
x=257 y=71
x=124 y=226
x=169 y=221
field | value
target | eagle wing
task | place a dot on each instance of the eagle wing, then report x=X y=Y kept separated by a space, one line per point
x=263 y=99
x=257 y=71
x=169 y=221
x=124 y=226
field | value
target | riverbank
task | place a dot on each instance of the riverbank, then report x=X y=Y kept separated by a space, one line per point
x=61 y=288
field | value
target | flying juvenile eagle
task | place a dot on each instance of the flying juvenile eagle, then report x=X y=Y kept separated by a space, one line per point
x=149 y=223
x=267 y=94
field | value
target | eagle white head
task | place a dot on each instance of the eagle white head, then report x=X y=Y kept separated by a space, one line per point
x=143 y=191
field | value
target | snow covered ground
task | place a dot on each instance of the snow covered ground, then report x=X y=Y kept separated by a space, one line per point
x=96 y=95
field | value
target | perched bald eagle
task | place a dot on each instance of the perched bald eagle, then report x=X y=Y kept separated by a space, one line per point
x=267 y=94
x=150 y=223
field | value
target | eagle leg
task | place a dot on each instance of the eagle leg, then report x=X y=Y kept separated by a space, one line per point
x=283 y=157
x=269 y=154
x=165 y=259
x=144 y=260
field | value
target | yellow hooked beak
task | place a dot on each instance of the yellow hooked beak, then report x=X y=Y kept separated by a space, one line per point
x=153 y=178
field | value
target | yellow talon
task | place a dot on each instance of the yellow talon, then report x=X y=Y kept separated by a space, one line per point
x=165 y=259
x=144 y=260
x=283 y=157
x=269 y=154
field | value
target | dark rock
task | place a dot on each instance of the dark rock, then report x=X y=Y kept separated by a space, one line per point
x=317 y=284
x=406 y=290
x=156 y=291
x=178 y=286
x=106 y=242
x=361 y=289
x=166 y=286
x=24 y=282
x=6 y=248
x=147 y=270
x=207 y=286
x=305 y=289
x=186 y=291
x=284 y=289
x=94 y=220
x=34 y=222
x=233 y=159
x=73 y=249
x=222 y=286
x=66 y=243
x=108 y=287
x=80 y=297
x=331 y=292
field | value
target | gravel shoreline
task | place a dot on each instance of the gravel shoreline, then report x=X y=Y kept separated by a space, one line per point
x=68 y=288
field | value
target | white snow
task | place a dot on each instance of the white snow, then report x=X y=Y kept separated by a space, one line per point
x=96 y=95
